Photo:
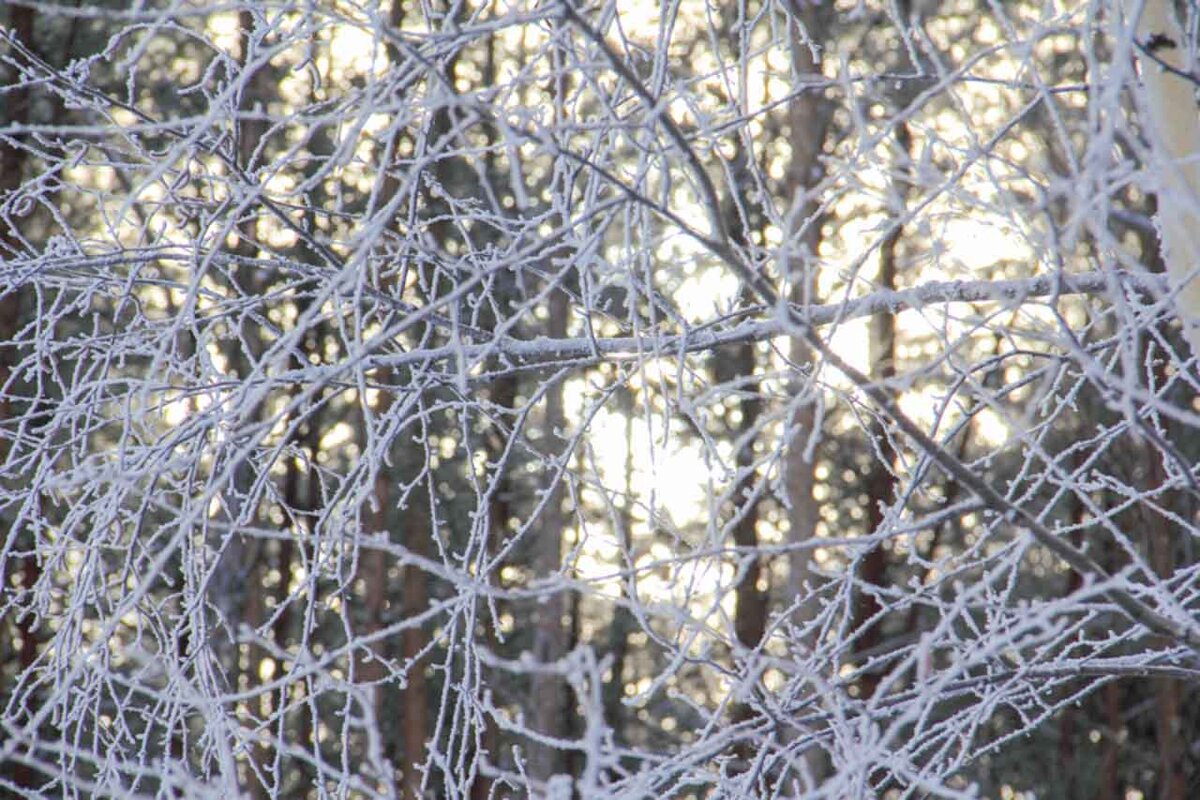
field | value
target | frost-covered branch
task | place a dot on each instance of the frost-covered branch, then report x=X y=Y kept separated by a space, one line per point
x=760 y=399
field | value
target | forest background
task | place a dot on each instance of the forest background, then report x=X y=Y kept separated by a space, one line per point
x=764 y=398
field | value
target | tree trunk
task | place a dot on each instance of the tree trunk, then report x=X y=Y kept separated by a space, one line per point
x=735 y=368
x=418 y=530
x=623 y=621
x=20 y=25
x=1160 y=546
x=1173 y=128
x=1168 y=697
x=808 y=116
x=1111 y=785
x=12 y=169
x=881 y=480
x=504 y=396
x=549 y=698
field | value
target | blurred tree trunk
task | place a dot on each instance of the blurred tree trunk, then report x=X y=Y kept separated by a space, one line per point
x=881 y=479
x=735 y=367
x=400 y=476
x=369 y=666
x=549 y=697
x=314 y=502
x=624 y=623
x=417 y=525
x=1173 y=131
x=1160 y=543
x=1111 y=787
x=1168 y=695
x=12 y=169
x=1068 y=727
x=751 y=620
x=500 y=513
x=245 y=559
x=549 y=694
x=752 y=591
x=236 y=567
x=502 y=392
x=302 y=501
x=14 y=625
x=808 y=120
x=808 y=115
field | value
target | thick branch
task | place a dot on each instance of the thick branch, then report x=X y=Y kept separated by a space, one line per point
x=524 y=354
